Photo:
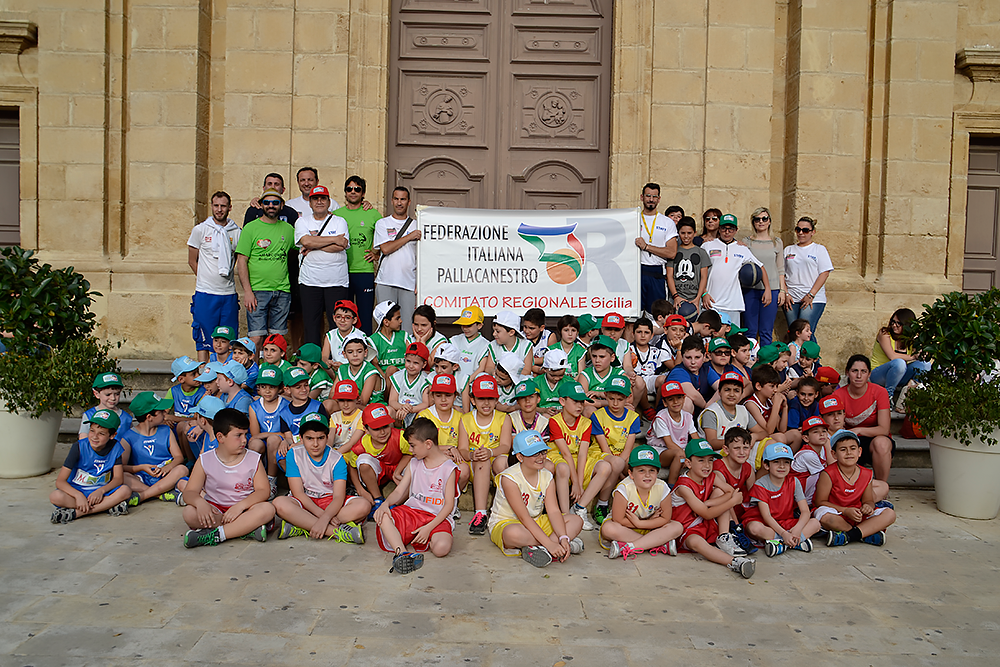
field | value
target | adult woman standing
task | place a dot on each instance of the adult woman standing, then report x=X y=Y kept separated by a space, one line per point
x=759 y=319
x=709 y=226
x=866 y=407
x=807 y=266
x=894 y=362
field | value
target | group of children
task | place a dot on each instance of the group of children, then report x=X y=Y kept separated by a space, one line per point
x=744 y=447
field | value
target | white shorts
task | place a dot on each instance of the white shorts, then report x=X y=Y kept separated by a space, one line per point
x=823 y=510
x=650 y=381
x=370 y=461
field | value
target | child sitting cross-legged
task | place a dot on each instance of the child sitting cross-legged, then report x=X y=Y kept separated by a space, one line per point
x=318 y=506
x=265 y=410
x=846 y=500
x=773 y=501
x=153 y=466
x=640 y=520
x=733 y=470
x=484 y=437
x=526 y=519
x=419 y=511
x=289 y=417
x=377 y=454
x=672 y=429
x=227 y=494
x=91 y=479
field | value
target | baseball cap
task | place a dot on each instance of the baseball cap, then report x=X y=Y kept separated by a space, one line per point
x=719 y=343
x=728 y=219
x=443 y=383
x=724 y=317
x=419 y=349
x=146 y=402
x=525 y=388
x=827 y=375
x=344 y=389
x=778 y=450
x=224 y=332
x=587 y=323
x=376 y=415
x=271 y=193
x=508 y=319
x=271 y=375
x=699 y=447
x=209 y=406
x=212 y=369
x=671 y=389
x=511 y=364
x=810 y=349
x=529 y=443
x=312 y=353
x=573 y=390
x=277 y=340
x=347 y=305
x=470 y=315
x=381 y=311
x=182 y=365
x=813 y=422
x=643 y=455
x=314 y=417
x=605 y=341
x=235 y=371
x=449 y=353
x=555 y=360
x=109 y=419
x=617 y=384
x=246 y=344
x=319 y=191
x=295 y=375
x=830 y=404
x=485 y=386
x=104 y=380
x=675 y=321
x=841 y=435
x=613 y=321
x=767 y=355
x=733 y=330
x=732 y=376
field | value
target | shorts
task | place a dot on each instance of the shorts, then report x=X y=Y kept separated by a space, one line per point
x=822 y=511
x=209 y=311
x=496 y=532
x=408 y=521
x=866 y=450
x=271 y=316
x=222 y=508
x=588 y=470
x=383 y=471
x=323 y=501
x=146 y=478
x=87 y=490
x=707 y=529
x=650 y=381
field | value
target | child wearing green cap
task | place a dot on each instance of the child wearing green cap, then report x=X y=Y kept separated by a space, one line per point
x=615 y=428
x=153 y=463
x=265 y=421
x=590 y=328
x=107 y=389
x=222 y=344
x=640 y=519
x=604 y=365
x=310 y=359
x=527 y=417
x=91 y=479
x=807 y=364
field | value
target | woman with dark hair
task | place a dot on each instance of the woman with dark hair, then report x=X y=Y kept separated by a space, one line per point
x=807 y=266
x=866 y=408
x=894 y=362
x=709 y=226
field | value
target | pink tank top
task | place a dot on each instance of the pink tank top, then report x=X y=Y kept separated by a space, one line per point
x=227 y=485
x=427 y=486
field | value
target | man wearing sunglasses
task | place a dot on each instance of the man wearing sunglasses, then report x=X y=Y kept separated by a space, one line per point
x=361 y=256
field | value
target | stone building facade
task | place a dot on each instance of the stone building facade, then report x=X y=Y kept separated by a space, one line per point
x=858 y=113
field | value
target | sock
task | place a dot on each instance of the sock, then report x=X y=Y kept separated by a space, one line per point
x=577 y=506
x=602 y=503
x=222 y=533
x=854 y=534
x=478 y=512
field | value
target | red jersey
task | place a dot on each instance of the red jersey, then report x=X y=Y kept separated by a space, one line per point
x=843 y=494
x=682 y=512
x=765 y=410
x=389 y=455
x=746 y=472
x=780 y=503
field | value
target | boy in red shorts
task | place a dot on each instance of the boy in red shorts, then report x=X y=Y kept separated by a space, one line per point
x=733 y=470
x=430 y=487
x=375 y=454
x=773 y=501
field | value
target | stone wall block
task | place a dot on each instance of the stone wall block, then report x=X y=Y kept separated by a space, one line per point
x=320 y=75
x=180 y=28
x=693 y=42
x=674 y=127
x=680 y=87
x=667 y=47
x=72 y=73
x=720 y=127
x=739 y=88
x=679 y=12
x=161 y=144
x=146 y=108
x=753 y=126
x=333 y=113
x=260 y=146
x=726 y=47
x=815 y=51
x=84 y=181
x=270 y=111
x=87 y=111
x=83 y=31
x=258 y=72
x=836 y=91
x=162 y=71
x=71 y=145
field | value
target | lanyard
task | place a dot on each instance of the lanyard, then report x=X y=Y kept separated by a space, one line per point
x=649 y=231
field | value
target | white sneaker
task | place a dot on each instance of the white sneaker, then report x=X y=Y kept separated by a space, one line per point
x=273 y=482
x=456 y=515
x=743 y=566
x=576 y=546
x=727 y=543
x=615 y=550
x=588 y=522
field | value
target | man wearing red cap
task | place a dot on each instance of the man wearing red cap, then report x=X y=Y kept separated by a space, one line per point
x=323 y=278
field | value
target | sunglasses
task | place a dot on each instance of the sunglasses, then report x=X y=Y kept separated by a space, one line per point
x=803 y=230
x=895 y=323
x=711 y=217
x=762 y=218
x=353 y=188
x=271 y=202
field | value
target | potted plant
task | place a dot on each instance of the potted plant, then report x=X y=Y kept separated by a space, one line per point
x=957 y=402
x=50 y=360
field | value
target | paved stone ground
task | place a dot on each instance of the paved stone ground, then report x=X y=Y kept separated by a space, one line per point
x=124 y=591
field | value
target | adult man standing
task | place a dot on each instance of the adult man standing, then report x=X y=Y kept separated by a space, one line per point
x=361 y=256
x=724 y=293
x=396 y=237
x=262 y=265
x=657 y=242
x=323 y=277
x=307 y=178
x=210 y=256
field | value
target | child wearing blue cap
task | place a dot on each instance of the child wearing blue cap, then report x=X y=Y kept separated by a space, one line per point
x=185 y=393
x=526 y=519
x=153 y=463
x=773 y=501
x=244 y=352
x=204 y=414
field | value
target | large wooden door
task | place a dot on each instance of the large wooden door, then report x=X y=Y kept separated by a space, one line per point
x=982 y=222
x=501 y=103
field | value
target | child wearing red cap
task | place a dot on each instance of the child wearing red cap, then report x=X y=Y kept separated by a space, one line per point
x=376 y=454
x=672 y=429
x=274 y=350
x=613 y=326
x=344 y=411
x=484 y=438
x=814 y=456
x=345 y=316
x=408 y=388
x=443 y=413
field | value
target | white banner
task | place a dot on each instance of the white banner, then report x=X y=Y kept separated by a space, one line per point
x=564 y=262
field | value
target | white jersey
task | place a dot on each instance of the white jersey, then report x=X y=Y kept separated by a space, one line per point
x=398 y=269
x=342 y=428
x=410 y=393
x=317 y=478
x=539 y=349
x=646 y=363
x=655 y=230
x=724 y=278
x=471 y=352
x=664 y=425
x=206 y=240
x=643 y=509
x=722 y=420
x=802 y=267
x=427 y=486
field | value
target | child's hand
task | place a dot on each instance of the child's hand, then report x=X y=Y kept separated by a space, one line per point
x=194 y=432
x=738 y=496
x=867 y=509
x=232 y=513
x=558 y=550
x=790 y=538
x=95 y=498
x=205 y=513
x=480 y=454
x=455 y=455
x=82 y=503
x=401 y=414
x=575 y=491
x=318 y=530
x=633 y=518
x=423 y=534
x=284 y=446
x=382 y=513
x=853 y=514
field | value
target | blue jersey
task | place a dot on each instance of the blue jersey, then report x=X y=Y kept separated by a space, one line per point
x=252 y=374
x=798 y=414
x=714 y=376
x=214 y=357
x=182 y=402
x=203 y=443
x=125 y=417
x=700 y=381
x=153 y=450
x=269 y=422
x=241 y=401
x=291 y=416
x=90 y=470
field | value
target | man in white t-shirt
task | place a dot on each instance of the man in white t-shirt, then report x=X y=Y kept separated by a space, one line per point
x=210 y=256
x=307 y=178
x=724 y=293
x=396 y=237
x=657 y=242
x=323 y=278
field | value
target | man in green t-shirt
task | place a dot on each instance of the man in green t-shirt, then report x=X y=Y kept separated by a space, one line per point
x=361 y=256
x=262 y=265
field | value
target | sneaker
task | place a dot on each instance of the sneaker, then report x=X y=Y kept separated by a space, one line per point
x=349 y=533
x=290 y=530
x=601 y=513
x=375 y=505
x=615 y=550
x=180 y=499
x=884 y=504
x=743 y=566
x=805 y=545
x=836 y=538
x=537 y=556
x=169 y=496
x=576 y=546
x=630 y=552
x=63 y=515
x=119 y=509
x=202 y=537
x=273 y=483
x=406 y=562
x=588 y=522
x=774 y=547
x=133 y=500
x=743 y=540
x=875 y=539
x=478 y=524
x=728 y=543
x=259 y=534
x=456 y=514
x=668 y=549
x=649 y=414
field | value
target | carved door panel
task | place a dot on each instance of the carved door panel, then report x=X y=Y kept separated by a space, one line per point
x=501 y=103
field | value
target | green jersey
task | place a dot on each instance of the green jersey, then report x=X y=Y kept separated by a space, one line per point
x=574 y=355
x=361 y=226
x=595 y=381
x=549 y=395
x=390 y=350
x=266 y=246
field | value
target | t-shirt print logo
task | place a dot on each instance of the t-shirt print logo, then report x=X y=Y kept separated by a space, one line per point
x=263 y=243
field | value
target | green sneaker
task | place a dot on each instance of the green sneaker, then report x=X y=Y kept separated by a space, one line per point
x=133 y=500
x=349 y=533
x=290 y=530
x=601 y=512
x=202 y=537
x=259 y=533
x=169 y=496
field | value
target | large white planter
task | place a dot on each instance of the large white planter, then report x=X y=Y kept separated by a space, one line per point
x=966 y=479
x=27 y=444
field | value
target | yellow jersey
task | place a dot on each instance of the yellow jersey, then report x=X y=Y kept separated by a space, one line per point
x=447 y=430
x=483 y=436
x=615 y=430
x=643 y=508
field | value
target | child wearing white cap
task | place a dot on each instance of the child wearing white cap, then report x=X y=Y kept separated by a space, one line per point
x=447 y=362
